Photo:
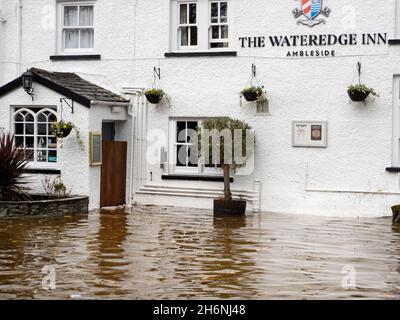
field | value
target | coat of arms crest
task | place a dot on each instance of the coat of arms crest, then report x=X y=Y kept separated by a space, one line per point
x=311 y=9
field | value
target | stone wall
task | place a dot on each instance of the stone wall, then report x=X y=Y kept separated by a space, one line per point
x=72 y=205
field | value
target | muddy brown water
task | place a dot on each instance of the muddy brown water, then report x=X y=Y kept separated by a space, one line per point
x=171 y=253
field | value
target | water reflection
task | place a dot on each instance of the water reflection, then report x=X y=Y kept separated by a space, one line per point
x=166 y=253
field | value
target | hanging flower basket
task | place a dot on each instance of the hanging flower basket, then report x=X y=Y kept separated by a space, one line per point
x=154 y=96
x=360 y=92
x=62 y=129
x=252 y=94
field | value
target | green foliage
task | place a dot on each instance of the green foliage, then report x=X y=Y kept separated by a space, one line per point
x=221 y=124
x=156 y=92
x=259 y=91
x=13 y=162
x=57 y=130
x=362 y=88
x=55 y=188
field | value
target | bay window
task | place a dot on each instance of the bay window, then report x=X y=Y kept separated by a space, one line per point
x=200 y=25
x=76 y=26
x=32 y=131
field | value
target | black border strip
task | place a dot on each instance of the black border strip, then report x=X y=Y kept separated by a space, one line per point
x=76 y=57
x=200 y=54
x=393 y=169
x=394 y=41
x=43 y=171
x=193 y=178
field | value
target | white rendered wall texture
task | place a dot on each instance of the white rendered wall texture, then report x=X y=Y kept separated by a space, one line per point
x=348 y=178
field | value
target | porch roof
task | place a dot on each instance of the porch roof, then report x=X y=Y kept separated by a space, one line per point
x=69 y=85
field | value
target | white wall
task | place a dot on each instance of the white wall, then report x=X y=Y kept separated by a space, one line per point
x=360 y=136
x=72 y=160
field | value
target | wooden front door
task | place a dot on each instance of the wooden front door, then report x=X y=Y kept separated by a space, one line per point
x=113 y=174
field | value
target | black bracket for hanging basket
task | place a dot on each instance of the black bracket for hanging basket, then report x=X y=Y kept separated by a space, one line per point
x=71 y=106
x=157 y=73
x=359 y=71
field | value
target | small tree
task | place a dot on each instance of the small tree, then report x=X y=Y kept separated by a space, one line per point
x=218 y=139
x=13 y=162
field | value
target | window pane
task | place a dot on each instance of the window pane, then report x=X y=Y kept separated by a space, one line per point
x=181 y=156
x=224 y=32
x=70 y=16
x=192 y=125
x=42 y=118
x=192 y=13
x=19 y=128
x=19 y=118
x=29 y=142
x=215 y=32
x=193 y=157
x=52 y=143
x=30 y=157
x=71 y=39
x=42 y=156
x=29 y=128
x=29 y=118
x=224 y=12
x=193 y=36
x=219 y=45
x=42 y=142
x=52 y=156
x=52 y=118
x=214 y=12
x=184 y=36
x=42 y=129
x=87 y=38
x=86 y=16
x=181 y=131
x=19 y=141
x=183 y=13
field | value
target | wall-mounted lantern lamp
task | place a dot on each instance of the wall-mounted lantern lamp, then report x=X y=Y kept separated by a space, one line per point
x=27 y=80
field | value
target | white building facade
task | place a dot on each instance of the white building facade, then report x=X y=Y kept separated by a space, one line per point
x=201 y=54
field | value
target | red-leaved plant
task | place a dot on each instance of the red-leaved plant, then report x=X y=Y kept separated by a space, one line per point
x=13 y=162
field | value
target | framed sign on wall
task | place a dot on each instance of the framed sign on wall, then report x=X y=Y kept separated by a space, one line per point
x=95 y=148
x=310 y=134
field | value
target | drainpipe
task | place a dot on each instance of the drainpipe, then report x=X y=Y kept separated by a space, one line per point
x=133 y=112
x=19 y=37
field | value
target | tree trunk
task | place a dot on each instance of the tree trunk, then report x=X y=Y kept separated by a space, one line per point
x=227 y=182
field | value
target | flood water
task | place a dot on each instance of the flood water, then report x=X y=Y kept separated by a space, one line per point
x=171 y=253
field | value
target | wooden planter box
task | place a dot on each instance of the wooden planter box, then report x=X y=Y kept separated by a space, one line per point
x=396 y=214
x=229 y=207
x=43 y=205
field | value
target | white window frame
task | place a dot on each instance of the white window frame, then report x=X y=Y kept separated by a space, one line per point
x=397 y=20
x=218 y=24
x=396 y=122
x=61 y=27
x=15 y=109
x=203 y=26
x=200 y=170
x=187 y=25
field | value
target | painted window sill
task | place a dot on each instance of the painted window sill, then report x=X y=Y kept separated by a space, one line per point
x=43 y=171
x=185 y=177
x=200 y=54
x=63 y=57
x=394 y=42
